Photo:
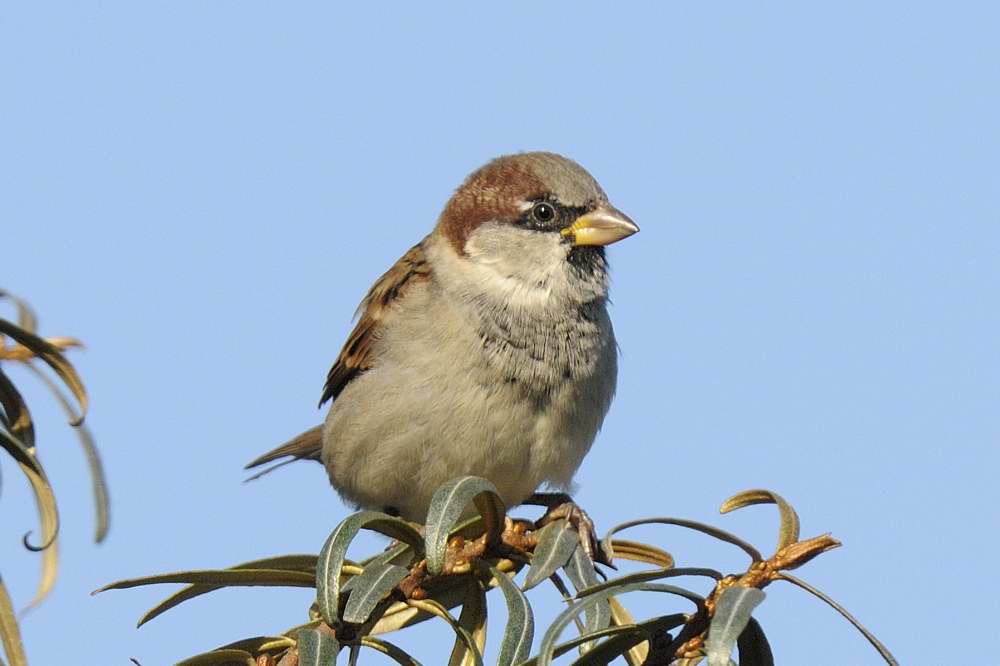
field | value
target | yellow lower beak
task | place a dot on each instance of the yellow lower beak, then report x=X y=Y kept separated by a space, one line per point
x=603 y=226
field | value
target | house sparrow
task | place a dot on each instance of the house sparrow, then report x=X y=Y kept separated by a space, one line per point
x=486 y=349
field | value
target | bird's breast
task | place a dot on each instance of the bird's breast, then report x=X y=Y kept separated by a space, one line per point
x=535 y=354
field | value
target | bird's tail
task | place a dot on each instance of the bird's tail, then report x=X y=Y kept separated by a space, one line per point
x=306 y=446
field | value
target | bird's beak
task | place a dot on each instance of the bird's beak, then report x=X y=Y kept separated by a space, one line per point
x=602 y=226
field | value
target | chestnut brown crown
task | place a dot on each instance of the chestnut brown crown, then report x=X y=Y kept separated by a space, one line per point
x=501 y=190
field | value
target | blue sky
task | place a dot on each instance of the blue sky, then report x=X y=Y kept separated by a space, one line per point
x=204 y=191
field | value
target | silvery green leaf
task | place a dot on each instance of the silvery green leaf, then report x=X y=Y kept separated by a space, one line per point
x=580 y=571
x=732 y=613
x=447 y=506
x=331 y=557
x=520 y=629
x=556 y=542
x=547 y=646
x=627 y=638
x=370 y=587
x=220 y=578
x=317 y=648
x=302 y=563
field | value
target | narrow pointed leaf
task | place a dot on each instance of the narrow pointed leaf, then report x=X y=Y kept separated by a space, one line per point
x=220 y=658
x=649 y=627
x=577 y=641
x=606 y=652
x=619 y=645
x=788 y=532
x=398 y=616
x=371 y=587
x=98 y=482
x=44 y=497
x=331 y=558
x=752 y=646
x=567 y=597
x=621 y=617
x=580 y=571
x=473 y=618
x=401 y=554
x=53 y=357
x=436 y=609
x=647 y=576
x=220 y=578
x=520 y=630
x=294 y=632
x=317 y=648
x=447 y=506
x=14 y=414
x=876 y=643
x=722 y=535
x=26 y=318
x=556 y=542
x=448 y=594
x=48 y=513
x=304 y=563
x=259 y=644
x=641 y=552
x=545 y=649
x=10 y=634
x=732 y=613
x=394 y=652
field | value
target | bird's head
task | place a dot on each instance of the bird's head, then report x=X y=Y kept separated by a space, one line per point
x=531 y=217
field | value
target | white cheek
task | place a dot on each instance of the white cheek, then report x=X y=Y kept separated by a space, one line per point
x=519 y=265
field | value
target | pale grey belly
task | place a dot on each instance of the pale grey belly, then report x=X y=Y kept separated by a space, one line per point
x=398 y=432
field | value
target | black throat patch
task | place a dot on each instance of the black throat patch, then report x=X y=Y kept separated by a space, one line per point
x=588 y=259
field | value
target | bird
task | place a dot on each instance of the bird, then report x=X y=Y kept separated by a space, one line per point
x=486 y=349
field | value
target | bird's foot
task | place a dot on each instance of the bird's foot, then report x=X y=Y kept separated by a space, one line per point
x=561 y=506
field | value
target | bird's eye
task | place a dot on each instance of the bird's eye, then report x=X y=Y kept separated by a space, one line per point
x=543 y=212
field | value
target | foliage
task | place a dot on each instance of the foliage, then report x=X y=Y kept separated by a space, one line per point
x=452 y=562
x=17 y=438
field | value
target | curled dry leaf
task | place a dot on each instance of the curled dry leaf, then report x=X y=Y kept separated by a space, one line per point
x=788 y=532
x=52 y=355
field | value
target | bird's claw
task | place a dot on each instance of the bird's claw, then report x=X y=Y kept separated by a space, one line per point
x=584 y=526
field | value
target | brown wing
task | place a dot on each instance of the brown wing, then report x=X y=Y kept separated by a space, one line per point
x=355 y=357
